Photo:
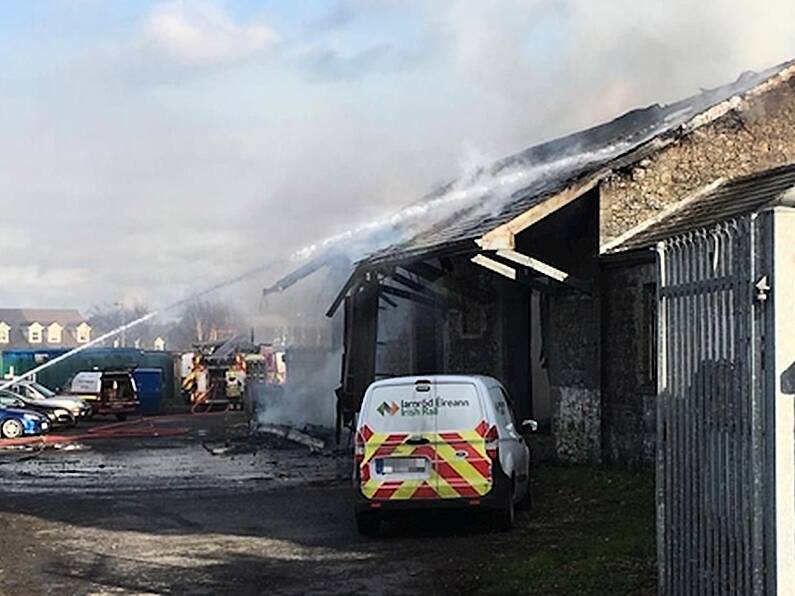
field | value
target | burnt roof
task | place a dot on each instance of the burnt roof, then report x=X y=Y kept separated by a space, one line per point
x=544 y=170
x=731 y=199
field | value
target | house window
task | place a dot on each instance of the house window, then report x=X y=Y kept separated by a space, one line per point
x=35 y=333
x=83 y=333
x=4 y=329
x=648 y=348
x=54 y=333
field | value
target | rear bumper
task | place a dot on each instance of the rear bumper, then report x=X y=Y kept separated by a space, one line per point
x=127 y=407
x=494 y=499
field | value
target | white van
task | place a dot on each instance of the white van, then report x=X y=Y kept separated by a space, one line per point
x=439 y=441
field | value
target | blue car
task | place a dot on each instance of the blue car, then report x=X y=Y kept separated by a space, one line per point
x=15 y=423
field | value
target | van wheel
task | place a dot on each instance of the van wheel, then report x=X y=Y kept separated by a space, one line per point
x=503 y=518
x=367 y=523
x=526 y=503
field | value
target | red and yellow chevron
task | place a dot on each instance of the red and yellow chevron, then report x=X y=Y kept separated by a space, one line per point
x=460 y=466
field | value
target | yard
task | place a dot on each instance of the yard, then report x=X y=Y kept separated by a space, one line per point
x=165 y=514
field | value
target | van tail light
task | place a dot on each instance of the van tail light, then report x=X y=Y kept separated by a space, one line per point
x=358 y=448
x=492 y=439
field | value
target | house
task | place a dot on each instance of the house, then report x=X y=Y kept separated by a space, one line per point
x=529 y=270
x=33 y=328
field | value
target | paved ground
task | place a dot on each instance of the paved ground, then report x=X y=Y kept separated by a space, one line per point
x=202 y=511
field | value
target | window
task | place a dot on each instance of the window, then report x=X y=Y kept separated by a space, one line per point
x=4 y=329
x=648 y=347
x=35 y=333
x=54 y=333
x=83 y=333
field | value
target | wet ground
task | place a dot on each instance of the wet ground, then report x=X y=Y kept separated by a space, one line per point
x=189 y=505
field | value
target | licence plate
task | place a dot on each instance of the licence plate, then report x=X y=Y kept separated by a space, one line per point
x=401 y=465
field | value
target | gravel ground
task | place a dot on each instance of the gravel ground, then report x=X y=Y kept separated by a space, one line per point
x=208 y=512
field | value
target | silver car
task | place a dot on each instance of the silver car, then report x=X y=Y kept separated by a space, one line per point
x=39 y=394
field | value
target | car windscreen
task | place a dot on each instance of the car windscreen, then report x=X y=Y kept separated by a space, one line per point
x=45 y=391
x=428 y=408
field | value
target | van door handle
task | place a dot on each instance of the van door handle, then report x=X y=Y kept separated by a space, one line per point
x=417 y=441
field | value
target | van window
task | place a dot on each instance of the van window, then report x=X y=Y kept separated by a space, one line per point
x=458 y=407
x=501 y=406
x=401 y=408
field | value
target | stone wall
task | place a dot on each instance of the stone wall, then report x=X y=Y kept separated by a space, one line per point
x=757 y=134
x=629 y=363
x=574 y=377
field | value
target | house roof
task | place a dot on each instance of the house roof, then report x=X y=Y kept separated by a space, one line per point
x=45 y=316
x=722 y=202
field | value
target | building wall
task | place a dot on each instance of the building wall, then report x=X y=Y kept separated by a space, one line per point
x=628 y=363
x=574 y=353
x=756 y=135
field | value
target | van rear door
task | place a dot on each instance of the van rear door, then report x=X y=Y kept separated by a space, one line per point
x=424 y=440
x=398 y=435
x=463 y=468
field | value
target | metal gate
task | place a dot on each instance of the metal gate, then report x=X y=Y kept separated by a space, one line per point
x=714 y=486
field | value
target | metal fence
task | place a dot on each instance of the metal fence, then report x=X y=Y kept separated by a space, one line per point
x=712 y=463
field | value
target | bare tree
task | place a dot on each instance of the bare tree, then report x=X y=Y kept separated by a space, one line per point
x=205 y=321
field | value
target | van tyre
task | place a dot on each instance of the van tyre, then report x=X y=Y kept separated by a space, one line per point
x=526 y=502
x=11 y=429
x=368 y=523
x=504 y=518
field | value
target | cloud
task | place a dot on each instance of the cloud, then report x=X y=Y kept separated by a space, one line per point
x=198 y=32
x=327 y=64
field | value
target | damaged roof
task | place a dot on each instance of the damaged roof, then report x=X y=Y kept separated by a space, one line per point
x=451 y=218
x=718 y=203
x=542 y=171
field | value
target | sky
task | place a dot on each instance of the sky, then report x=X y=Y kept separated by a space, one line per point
x=150 y=148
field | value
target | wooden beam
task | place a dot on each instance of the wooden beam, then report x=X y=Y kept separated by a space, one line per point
x=495 y=266
x=512 y=274
x=353 y=280
x=388 y=300
x=545 y=269
x=406 y=295
x=502 y=237
x=424 y=270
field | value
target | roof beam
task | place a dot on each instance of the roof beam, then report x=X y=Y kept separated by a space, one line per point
x=406 y=295
x=502 y=237
x=545 y=269
x=496 y=266
x=510 y=273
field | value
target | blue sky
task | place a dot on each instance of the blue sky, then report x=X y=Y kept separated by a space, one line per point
x=148 y=147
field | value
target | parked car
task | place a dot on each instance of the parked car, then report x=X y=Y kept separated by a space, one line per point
x=36 y=392
x=445 y=441
x=19 y=423
x=57 y=415
x=108 y=391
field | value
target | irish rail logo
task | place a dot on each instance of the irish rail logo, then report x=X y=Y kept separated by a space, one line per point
x=388 y=408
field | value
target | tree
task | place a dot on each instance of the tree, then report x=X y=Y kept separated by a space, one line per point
x=107 y=317
x=205 y=321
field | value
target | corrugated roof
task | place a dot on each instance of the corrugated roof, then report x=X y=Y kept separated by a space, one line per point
x=731 y=199
x=517 y=183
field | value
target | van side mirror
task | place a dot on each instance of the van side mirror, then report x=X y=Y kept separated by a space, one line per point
x=529 y=426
